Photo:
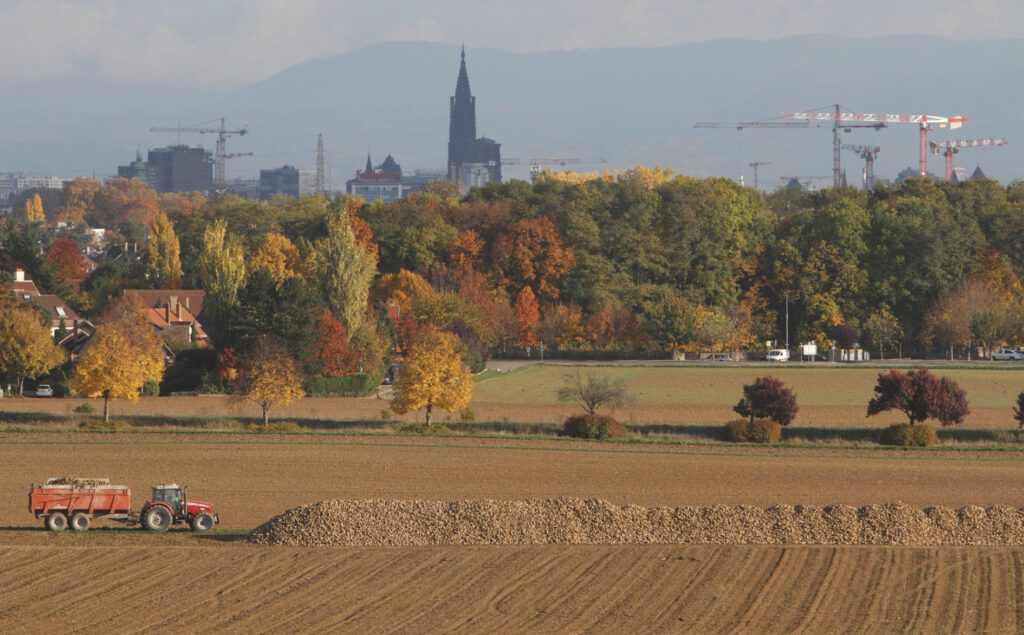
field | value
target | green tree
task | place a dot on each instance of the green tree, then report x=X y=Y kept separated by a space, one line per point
x=345 y=270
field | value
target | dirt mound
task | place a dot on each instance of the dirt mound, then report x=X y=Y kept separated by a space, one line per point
x=591 y=521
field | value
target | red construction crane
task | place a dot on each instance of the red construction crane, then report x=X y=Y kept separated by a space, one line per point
x=869 y=154
x=949 y=148
x=925 y=122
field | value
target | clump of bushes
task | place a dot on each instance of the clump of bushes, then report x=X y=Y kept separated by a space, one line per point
x=422 y=428
x=85 y=408
x=354 y=385
x=908 y=436
x=591 y=426
x=756 y=431
x=278 y=426
x=99 y=425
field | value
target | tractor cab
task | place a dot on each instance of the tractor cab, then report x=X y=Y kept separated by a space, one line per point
x=170 y=504
x=171 y=495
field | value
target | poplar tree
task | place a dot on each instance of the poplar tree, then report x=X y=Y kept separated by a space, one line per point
x=345 y=270
x=163 y=254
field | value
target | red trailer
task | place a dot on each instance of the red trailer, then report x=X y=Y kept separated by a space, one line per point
x=76 y=501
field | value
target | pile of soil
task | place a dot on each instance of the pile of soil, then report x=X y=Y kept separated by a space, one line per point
x=574 y=521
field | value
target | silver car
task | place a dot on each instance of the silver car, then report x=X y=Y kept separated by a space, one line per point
x=44 y=390
x=1007 y=355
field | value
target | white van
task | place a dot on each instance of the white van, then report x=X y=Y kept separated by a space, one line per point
x=778 y=355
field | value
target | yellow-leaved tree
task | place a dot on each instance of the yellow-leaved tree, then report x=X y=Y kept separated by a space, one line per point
x=26 y=346
x=433 y=375
x=163 y=254
x=270 y=376
x=124 y=354
x=279 y=256
x=34 y=210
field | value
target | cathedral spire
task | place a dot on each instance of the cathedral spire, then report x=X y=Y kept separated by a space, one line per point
x=369 y=164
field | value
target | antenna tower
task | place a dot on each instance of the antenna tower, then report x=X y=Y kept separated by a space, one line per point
x=320 y=163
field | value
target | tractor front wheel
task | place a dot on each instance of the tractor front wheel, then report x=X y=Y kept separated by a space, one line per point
x=202 y=522
x=57 y=521
x=157 y=519
x=80 y=521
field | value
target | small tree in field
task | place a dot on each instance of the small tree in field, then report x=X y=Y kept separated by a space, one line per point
x=1018 y=412
x=270 y=376
x=593 y=391
x=920 y=395
x=433 y=375
x=767 y=398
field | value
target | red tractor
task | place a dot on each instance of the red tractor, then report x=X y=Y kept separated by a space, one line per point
x=170 y=504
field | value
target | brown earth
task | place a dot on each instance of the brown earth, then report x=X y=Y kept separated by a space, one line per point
x=182 y=584
x=134 y=581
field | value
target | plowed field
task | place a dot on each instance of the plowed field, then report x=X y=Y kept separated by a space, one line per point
x=127 y=580
x=99 y=585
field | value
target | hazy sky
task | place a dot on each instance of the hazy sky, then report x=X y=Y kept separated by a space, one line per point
x=235 y=42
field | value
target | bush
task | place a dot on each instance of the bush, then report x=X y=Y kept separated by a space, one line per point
x=151 y=388
x=758 y=431
x=354 y=385
x=280 y=426
x=908 y=436
x=466 y=415
x=99 y=425
x=593 y=427
x=85 y=409
x=422 y=428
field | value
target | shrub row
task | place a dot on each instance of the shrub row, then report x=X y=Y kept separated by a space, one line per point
x=757 y=431
x=593 y=427
x=905 y=435
x=354 y=385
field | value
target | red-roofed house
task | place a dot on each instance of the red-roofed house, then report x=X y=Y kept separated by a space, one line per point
x=23 y=286
x=177 y=325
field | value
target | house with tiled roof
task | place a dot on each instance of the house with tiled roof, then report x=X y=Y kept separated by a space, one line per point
x=191 y=299
x=175 y=323
x=23 y=286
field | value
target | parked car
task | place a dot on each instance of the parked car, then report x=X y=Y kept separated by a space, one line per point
x=44 y=390
x=719 y=357
x=1007 y=354
x=778 y=355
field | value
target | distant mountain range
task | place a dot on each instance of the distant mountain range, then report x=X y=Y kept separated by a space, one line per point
x=626 y=106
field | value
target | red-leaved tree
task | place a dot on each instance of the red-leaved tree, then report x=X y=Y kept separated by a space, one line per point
x=333 y=355
x=66 y=258
x=527 y=316
x=920 y=395
x=768 y=398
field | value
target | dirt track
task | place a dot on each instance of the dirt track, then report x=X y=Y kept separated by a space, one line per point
x=701 y=589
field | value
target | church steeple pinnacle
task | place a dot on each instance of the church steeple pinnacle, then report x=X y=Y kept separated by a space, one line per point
x=369 y=164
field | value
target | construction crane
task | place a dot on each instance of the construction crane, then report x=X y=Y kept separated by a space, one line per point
x=869 y=154
x=949 y=148
x=852 y=119
x=753 y=124
x=535 y=164
x=756 y=165
x=221 y=154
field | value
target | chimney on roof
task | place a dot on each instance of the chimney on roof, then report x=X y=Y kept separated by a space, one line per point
x=187 y=304
x=172 y=300
x=19 y=275
x=167 y=311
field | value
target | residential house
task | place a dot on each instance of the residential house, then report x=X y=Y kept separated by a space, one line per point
x=67 y=328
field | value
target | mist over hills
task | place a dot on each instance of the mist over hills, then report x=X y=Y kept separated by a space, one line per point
x=626 y=105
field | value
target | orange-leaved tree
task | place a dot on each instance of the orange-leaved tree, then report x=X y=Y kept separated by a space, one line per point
x=527 y=316
x=124 y=354
x=65 y=257
x=532 y=252
x=333 y=356
x=433 y=375
x=279 y=256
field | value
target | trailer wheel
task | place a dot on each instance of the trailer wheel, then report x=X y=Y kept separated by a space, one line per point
x=157 y=519
x=57 y=521
x=202 y=522
x=80 y=521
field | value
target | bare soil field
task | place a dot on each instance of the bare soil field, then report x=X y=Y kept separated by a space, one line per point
x=183 y=584
x=253 y=477
x=134 y=581
x=829 y=396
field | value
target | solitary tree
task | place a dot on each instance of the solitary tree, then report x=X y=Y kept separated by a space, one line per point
x=433 y=375
x=124 y=354
x=26 y=347
x=767 y=398
x=270 y=376
x=593 y=391
x=920 y=395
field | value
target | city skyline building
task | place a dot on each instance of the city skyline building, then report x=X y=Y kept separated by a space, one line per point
x=471 y=160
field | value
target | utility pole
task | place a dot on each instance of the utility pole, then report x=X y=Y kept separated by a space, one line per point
x=787 y=321
x=756 y=165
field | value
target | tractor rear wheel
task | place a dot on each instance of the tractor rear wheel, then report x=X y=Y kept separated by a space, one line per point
x=157 y=519
x=57 y=521
x=80 y=521
x=202 y=522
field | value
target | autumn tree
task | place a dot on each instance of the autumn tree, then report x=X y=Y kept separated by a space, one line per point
x=767 y=398
x=270 y=376
x=527 y=313
x=593 y=391
x=66 y=259
x=332 y=355
x=279 y=256
x=920 y=395
x=884 y=330
x=433 y=375
x=221 y=275
x=123 y=355
x=26 y=346
x=122 y=200
x=532 y=252
x=34 y=210
x=79 y=200
x=163 y=254
x=344 y=270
